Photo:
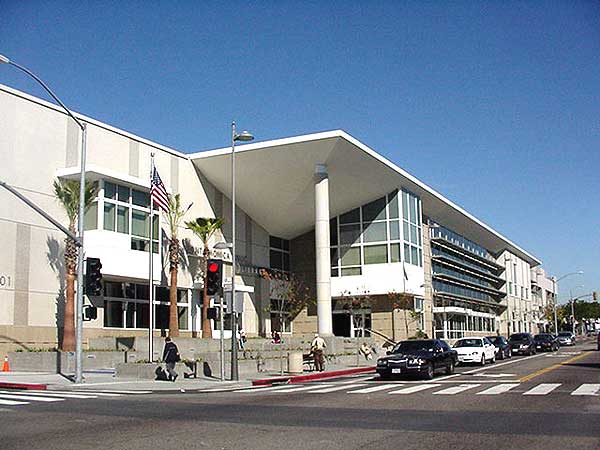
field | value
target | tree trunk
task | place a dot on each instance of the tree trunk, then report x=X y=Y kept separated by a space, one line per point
x=206 y=328
x=173 y=312
x=68 y=341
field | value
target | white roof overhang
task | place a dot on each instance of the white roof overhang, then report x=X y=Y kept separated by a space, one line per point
x=275 y=185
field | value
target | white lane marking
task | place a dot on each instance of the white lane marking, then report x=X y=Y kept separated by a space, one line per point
x=30 y=397
x=334 y=388
x=355 y=380
x=52 y=394
x=12 y=402
x=542 y=389
x=499 y=389
x=501 y=364
x=456 y=389
x=276 y=388
x=114 y=392
x=495 y=375
x=303 y=388
x=413 y=389
x=587 y=389
x=380 y=387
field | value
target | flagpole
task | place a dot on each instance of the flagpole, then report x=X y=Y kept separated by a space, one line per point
x=151 y=273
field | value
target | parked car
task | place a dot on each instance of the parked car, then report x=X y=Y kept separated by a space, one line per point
x=546 y=341
x=422 y=357
x=502 y=347
x=566 y=338
x=475 y=350
x=598 y=340
x=522 y=343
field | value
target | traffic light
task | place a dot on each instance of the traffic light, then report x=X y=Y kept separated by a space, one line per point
x=93 y=277
x=214 y=276
x=595 y=295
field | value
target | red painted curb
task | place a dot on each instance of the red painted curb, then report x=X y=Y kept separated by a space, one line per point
x=312 y=376
x=24 y=386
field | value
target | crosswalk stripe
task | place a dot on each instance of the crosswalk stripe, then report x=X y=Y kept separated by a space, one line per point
x=456 y=389
x=101 y=394
x=30 y=398
x=417 y=388
x=334 y=388
x=499 y=389
x=12 y=402
x=52 y=394
x=303 y=388
x=587 y=389
x=542 y=389
x=368 y=390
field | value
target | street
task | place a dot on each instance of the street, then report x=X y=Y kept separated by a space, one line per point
x=546 y=401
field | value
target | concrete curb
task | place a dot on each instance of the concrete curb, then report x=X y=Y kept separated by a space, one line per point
x=24 y=386
x=310 y=377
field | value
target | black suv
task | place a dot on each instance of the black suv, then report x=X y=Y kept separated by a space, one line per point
x=421 y=357
x=546 y=341
x=522 y=343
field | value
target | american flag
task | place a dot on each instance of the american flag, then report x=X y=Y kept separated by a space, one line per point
x=158 y=193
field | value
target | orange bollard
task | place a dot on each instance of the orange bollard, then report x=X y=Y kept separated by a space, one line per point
x=5 y=366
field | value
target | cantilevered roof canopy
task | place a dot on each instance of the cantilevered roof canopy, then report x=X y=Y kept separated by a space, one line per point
x=275 y=185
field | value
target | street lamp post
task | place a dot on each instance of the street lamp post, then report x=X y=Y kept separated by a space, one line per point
x=79 y=303
x=554 y=281
x=244 y=136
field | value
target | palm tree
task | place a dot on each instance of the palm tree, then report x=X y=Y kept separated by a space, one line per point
x=174 y=216
x=204 y=228
x=67 y=192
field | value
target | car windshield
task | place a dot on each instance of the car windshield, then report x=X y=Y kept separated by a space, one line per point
x=414 y=346
x=468 y=343
x=518 y=337
x=565 y=334
x=543 y=337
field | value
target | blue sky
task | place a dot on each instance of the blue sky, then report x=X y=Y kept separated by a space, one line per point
x=494 y=104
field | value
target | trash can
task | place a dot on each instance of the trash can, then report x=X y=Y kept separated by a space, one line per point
x=295 y=362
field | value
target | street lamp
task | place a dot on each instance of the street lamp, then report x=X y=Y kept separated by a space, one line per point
x=244 y=136
x=554 y=281
x=79 y=305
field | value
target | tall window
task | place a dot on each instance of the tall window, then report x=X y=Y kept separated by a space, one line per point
x=371 y=234
x=279 y=253
x=411 y=226
x=127 y=210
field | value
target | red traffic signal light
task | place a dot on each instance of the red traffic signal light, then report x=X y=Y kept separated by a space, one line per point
x=214 y=276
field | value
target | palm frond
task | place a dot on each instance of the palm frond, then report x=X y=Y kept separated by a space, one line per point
x=204 y=227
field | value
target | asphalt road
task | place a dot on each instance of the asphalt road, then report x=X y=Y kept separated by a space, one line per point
x=522 y=403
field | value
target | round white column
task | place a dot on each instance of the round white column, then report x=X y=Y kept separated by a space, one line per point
x=323 y=258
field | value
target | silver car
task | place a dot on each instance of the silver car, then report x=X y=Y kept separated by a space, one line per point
x=566 y=338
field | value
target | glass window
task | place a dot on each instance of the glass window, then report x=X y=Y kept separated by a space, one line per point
x=113 y=314
x=413 y=234
x=182 y=313
x=393 y=205
x=349 y=234
x=395 y=252
x=161 y=318
x=140 y=198
x=414 y=255
x=113 y=289
x=110 y=190
x=130 y=315
x=350 y=256
x=333 y=236
x=276 y=259
x=91 y=217
x=351 y=216
x=406 y=231
x=413 y=209
x=350 y=271
x=375 y=254
x=142 y=315
x=109 y=217
x=407 y=253
x=394 y=230
x=123 y=194
x=334 y=256
x=375 y=232
x=139 y=223
x=123 y=219
x=374 y=210
x=275 y=242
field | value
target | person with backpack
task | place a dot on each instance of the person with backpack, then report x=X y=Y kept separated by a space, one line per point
x=170 y=357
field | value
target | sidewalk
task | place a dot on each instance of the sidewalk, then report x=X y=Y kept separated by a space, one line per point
x=105 y=380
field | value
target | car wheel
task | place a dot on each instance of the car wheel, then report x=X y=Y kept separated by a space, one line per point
x=482 y=359
x=429 y=372
x=450 y=368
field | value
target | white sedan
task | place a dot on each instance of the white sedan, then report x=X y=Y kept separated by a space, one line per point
x=475 y=350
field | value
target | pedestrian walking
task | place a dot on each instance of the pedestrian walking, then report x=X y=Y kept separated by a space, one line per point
x=366 y=351
x=170 y=357
x=242 y=339
x=317 y=347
